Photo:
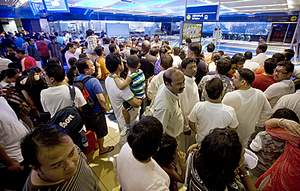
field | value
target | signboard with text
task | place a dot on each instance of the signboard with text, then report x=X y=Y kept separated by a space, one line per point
x=191 y=30
x=207 y=13
x=54 y=6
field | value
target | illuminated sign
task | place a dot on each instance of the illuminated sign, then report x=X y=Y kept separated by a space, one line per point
x=191 y=30
x=56 y=5
x=202 y=13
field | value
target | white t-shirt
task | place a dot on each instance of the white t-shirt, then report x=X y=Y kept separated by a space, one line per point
x=208 y=116
x=251 y=65
x=4 y=63
x=11 y=131
x=117 y=97
x=56 y=98
x=275 y=91
x=134 y=175
x=69 y=55
x=260 y=58
x=176 y=61
x=252 y=109
x=290 y=101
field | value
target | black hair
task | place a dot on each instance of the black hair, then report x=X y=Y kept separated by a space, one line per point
x=55 y=71
x=223 y=65
x=167 y=151
x=8 y=73
x=134 y=51
x=69 y=45
x=214 y=88
x=133 y=61
x=112 y=62
x=53 y=61
x=188 y=40
x=289 y=66
x=218 y=158
x=89 y=32
x=176 y=51
x=210 y=47
x=99 y=50
x=56 y=33
x=83 y=55
x=238 y=59
x=49 y=137
x=248 y=55
x=221 y=52
x=20 y=51
x=263 y=47
x=187 y=61
x=286 y=114
x=215 y=56
x=247 y=75
x=182 y=54
x=166 y=61
x=72 y=61
x=144 y=137
x=289 y=54
x=269 y=65
x=278 y=57
x=82 y=65
x=112 y=47
x=196 y=48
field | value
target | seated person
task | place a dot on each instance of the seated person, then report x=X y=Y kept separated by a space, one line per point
x=57 y=163
x=136 y=81
x=168 y=157
x=214 y=165
x=268 y=148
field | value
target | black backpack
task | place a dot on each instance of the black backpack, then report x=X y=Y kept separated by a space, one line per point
x=70 y=119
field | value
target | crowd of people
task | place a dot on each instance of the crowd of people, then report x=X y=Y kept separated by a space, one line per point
x=187 y=116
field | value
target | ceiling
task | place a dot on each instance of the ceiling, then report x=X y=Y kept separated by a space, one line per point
x=174 y=7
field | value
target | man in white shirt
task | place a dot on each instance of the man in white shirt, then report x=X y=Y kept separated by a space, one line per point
x=156 y=43
x=145 y=174
x=261 y=55
x=166 y=106
x=188 y=98
x=4 y=63
x=176 y=59
x=212 y=114
x=290 y=101
x=251 y=106
x=249 y=63
x=57 y=96
x=284 y=85
x=117 y=96
x=71 y=49
x=12 y=132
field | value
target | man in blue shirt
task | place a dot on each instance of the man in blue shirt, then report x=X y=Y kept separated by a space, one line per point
x=86 y=68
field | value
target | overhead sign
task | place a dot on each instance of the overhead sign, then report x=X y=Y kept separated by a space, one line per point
x=202 y=13
x=37 y=7
x=56 y=6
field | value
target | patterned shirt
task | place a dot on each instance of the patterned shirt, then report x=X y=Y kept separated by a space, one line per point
x=137 y=85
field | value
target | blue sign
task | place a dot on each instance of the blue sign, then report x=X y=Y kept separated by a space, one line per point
x=55 y=6
x=37 y=7
x=202 y=13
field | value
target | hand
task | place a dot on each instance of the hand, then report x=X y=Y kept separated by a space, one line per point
x=193 y=148
x=181 y=156
x=14 y=166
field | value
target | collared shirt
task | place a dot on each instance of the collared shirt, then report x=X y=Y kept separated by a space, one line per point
x=154 y=85
x=275 y=91
x=167 y=110
x=290 y=101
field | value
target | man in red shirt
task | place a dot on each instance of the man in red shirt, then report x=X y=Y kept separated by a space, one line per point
x=264 y=80
x=27 y=62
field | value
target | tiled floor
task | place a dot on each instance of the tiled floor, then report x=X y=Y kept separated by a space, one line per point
x=104 y=166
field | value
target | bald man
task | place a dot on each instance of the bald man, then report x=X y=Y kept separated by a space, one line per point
x=166 y=107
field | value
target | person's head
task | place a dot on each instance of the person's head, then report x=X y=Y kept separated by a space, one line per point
x=218 y=158
x=194 y=50
x=83 y=55
x=188 y=41
x=72 y=61
x=85 y=66
x=34 y=74
x=210 y=47
x=189 y=67
x=166 y=61
x=114 y=63
x=55 y=73
x=214 y=89
x=283 y=71
x=10 y=50
x=176 y=51
x=269 y=66
x=134 y=51
x=289 y=54
x=215 y=56
x=144 y=138
x=51 y=153
x=89 y=32
x=223 y=66
x=133 y=61
x=243 y=78
x=248 y=55
x=182 y=54
x=165 y=43
x=278 y=57
x=53 y=61
x=56 y=33
x=174 y=80
x=146 y=45
x=10 y=75
x=71 y=47
x=285 y=113
x=221 y=52
x=156 y=37
x=167 y=151
x=53 y=39
x=154 y=51
x=239 y=60
x=262 y=48
x=113 y=48
x=20 y=54
x=99 y=50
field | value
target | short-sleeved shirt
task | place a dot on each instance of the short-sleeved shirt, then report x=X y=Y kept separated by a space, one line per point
x=137 y=85
x=94 y=87
x=262 y=81
x=104 y=70
x=28 y=62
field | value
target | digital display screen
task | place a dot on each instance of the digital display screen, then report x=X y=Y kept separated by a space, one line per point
x=56 y=6
x=192 y=31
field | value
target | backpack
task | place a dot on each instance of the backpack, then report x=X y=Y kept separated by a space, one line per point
x=69 y=118
x=80 y=84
